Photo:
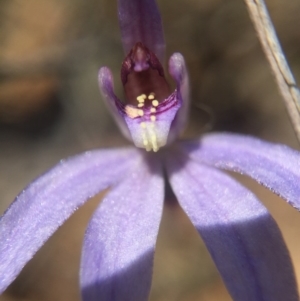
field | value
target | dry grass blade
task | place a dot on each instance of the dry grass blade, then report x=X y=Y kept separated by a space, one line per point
x=284 y=77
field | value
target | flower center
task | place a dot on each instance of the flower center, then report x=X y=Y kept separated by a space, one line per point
x=145 y=88
x=150 y=107
x=147 y=124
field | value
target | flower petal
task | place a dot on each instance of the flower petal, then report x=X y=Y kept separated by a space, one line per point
x=48 y=201
x=151 y=131
x=178 y=71
x=140 y=21
x=115 y=106
x=119 y=243
x=242 y=238
x=277 y=167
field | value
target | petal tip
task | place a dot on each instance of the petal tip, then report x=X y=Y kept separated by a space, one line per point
x=105 y=77
x=177 y=66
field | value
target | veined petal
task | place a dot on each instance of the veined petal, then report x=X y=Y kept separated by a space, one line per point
x=140 y=21
x=277 y=167
x=150 y=130
x=119 y=243
x=242 y=238
x=48 y=201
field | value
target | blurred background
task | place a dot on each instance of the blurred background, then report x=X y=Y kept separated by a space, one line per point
x=50 y=108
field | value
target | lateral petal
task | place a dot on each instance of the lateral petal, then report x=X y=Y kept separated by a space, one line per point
x=48 y=201
x=120 y=240
x=242 y=238
x=274 y=166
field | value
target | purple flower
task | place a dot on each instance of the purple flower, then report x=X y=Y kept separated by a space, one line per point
x=117 y=257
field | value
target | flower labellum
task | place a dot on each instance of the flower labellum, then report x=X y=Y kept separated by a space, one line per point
x=150 y=107
x=118 y=249
x=149 y=98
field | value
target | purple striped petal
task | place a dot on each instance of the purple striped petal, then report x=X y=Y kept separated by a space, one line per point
x=48 y=201
x=277 y=167
x=242 y=238
x=119 y=243
x=140 y=21
x=151 y=130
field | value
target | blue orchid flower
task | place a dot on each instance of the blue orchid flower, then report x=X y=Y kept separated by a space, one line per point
x=117 y=257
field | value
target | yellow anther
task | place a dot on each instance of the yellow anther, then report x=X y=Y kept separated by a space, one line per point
x=140 y=105
x=151 y=96
x=140 y=112
x=131 y=112
x=143 y=125
x=152 y=118
x=155 y=103
x=141 y=98
x=152 y=110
